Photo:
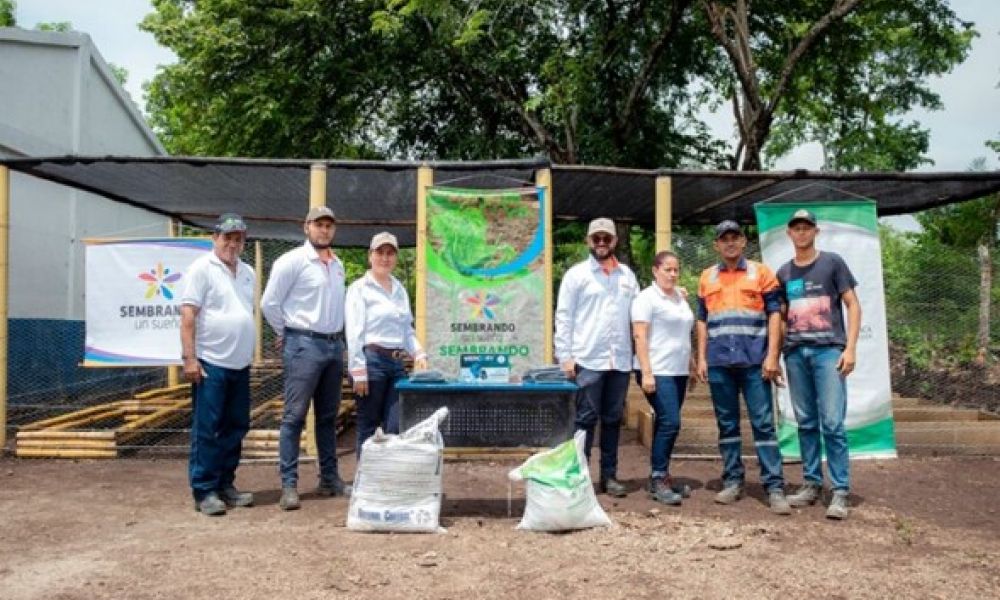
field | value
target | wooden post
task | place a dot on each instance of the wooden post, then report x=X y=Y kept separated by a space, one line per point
x=4 y=278
x=258 y=317
x=317 y=197
x=425 y=179
x=664 y=212
x=173 y=373
x=543 y=179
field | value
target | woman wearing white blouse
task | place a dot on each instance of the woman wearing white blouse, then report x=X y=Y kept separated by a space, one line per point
x=380 y=334
x=661 y=325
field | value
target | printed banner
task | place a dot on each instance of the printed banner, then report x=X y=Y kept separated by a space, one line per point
x=850 y=229
x=133 y=311
x=485 y=277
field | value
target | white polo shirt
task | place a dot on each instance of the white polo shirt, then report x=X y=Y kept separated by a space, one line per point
x=375 y=316
x=224 y=329
x=303 y=292
x=592 y=316
x=670 y=321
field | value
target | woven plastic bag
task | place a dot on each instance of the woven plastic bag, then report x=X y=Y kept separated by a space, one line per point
x=559 y=494
x=397 y=485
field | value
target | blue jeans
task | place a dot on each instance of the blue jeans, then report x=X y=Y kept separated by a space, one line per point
x=381 y=405
x=220 y=419
x=726 y=383
x=314 y=368
x=819 y=397
x=601 y=397
x=666 y=402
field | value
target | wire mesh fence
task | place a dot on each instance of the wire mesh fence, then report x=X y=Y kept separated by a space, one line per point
x=933 y=305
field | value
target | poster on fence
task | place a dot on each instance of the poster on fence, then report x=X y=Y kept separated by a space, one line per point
x=133 y=311
x=485 y=281
x=849 y=228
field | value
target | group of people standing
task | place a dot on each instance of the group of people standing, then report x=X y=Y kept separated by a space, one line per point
x=605 y=327
x=315 y=315
x=746 y=315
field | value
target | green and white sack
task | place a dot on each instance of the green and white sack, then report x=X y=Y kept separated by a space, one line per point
x=559 y=494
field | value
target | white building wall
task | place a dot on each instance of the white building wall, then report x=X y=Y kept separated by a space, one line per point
x=58 y=97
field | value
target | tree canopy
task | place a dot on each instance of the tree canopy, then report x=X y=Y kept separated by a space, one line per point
x=579 y=81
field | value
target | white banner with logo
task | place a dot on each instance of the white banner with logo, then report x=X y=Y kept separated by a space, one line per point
x=849 y=228
x=133 y=290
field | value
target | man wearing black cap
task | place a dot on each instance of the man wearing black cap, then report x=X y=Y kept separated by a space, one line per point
x=739 y=340
x=217 y=343
x=304 y=303
x=819 y=355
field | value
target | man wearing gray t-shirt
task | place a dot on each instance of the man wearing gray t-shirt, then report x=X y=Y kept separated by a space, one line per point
x=819 y=355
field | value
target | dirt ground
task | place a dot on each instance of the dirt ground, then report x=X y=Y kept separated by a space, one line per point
x=921 y=527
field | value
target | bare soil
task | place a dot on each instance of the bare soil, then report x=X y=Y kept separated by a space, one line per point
x=920 y=527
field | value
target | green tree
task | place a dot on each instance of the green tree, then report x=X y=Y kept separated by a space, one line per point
x=971 y=225
x=7 y=13
x=838 y=72
x=576 y=81
x=276 y=78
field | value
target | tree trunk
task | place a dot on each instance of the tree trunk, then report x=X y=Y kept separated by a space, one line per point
x=985 y=288
x=623 y=250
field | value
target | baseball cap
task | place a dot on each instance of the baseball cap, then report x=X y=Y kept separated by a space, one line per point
x=726 y=226
x=229 y=222
x=381 y=239
x=320 y=212
x=601 y=225
x=802 y=215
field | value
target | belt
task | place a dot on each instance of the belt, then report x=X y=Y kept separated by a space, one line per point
x=393 y=353
x=330 y=337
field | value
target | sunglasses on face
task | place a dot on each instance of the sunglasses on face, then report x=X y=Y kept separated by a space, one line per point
x=602 y=239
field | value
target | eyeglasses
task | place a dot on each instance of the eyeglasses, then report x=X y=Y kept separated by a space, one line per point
x=602 y=239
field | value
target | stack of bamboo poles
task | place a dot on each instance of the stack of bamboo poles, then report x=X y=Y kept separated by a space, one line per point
x=99 y=431
x=105 y=430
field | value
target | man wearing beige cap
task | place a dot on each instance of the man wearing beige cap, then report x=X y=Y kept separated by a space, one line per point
x=593 y=343
x=380 y=335
x=304 y=303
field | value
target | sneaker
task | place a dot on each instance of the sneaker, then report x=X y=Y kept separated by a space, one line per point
x=807 y=495
x=679 y=488
x=233 y=497
x=613 y=487
x=660 y=490
x=210 y=505
x=839 y=506
x=335 y=488
x=730 y=494
x=778 y=503
x=289 y=499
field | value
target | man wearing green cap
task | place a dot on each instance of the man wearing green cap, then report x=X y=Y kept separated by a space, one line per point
x=217 y=342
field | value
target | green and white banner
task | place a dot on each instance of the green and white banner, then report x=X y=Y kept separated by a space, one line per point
x=485 y=278
x=849 y=228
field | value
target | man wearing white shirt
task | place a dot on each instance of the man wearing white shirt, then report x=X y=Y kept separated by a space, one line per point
x=593 y=343
x=217 y=342
x=304 y=304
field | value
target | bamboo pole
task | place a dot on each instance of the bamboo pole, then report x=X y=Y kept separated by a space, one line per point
x=664 y=212
x=60 y=421
x=425 y=179
x=4 y=293
x=317 y=197
x=258 y=318
x=173 y=373
x=543 y=179
x=56 y=453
